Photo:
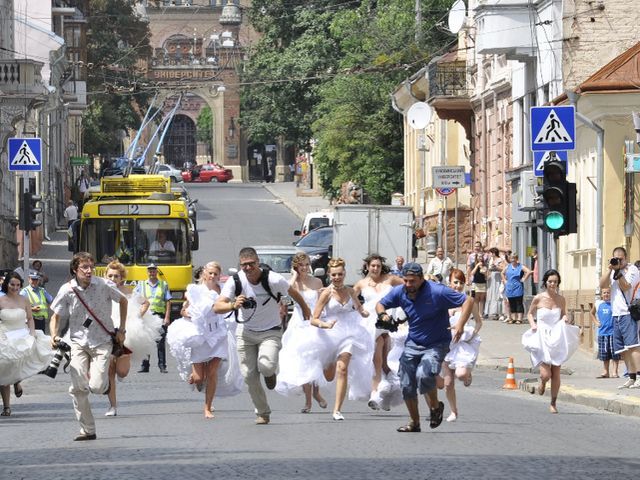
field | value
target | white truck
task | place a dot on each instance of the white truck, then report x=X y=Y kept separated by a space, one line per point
x=360 y=230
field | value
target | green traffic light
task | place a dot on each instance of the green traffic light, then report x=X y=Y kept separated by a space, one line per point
x=554 y=220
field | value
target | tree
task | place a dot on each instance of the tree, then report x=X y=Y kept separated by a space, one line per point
x=116 y=41
x=204 y=127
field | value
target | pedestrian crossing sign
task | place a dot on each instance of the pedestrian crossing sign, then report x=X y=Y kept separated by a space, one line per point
x=25 y=155
x=553 y=128
x=540 y=158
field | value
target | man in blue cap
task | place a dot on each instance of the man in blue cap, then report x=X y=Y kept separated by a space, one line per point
x=426 y=304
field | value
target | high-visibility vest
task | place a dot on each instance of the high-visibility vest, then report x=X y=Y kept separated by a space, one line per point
x=38 y=299
x=157 y=303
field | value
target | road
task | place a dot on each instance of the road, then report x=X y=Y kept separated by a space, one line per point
x=160 y=432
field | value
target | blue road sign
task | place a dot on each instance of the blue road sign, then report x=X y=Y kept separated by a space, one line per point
x=539 y=158
x=25 y=155
x=553 y=128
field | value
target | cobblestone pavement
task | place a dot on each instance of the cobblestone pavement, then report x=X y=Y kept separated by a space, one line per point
x=160 y=433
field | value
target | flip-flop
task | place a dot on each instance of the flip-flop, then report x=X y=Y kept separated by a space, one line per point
x=435 y=418
x=306 y=410
x=17 y=389
x=408 y=428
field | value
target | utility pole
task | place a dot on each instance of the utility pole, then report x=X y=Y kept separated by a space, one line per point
x=418 y=36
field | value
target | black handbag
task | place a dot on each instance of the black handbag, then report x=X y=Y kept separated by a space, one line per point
x=634 y=306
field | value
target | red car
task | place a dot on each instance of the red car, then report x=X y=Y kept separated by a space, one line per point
x=209 y=172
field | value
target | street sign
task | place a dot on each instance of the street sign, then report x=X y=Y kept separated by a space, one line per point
x=445 y=192
x=25 y=155
x=540 y=158
x=448 y=177
x=553 y=128
x=79 y=161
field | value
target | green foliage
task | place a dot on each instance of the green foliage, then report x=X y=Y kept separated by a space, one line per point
x=116 y=41
x=204 y=126
x=325 y=71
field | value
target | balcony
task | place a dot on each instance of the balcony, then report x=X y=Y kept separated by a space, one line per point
x=449 y=89
x=21 y=77
x=506 y=27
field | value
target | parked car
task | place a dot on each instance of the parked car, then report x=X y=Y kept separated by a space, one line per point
x=209 y=172
x=318 y=244
x=169 y=171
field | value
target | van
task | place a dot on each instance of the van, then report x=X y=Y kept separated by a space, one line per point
x=314 y=220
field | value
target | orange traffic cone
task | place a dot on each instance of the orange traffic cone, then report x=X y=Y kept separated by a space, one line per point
x=510 y=381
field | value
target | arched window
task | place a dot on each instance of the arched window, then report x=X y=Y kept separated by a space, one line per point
x=180 y=143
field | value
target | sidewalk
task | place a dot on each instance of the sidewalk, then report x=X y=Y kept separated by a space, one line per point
x=501 y=341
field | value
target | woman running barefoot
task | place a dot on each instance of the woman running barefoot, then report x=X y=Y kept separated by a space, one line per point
x=550 y=341
x=463 y=354
x=344 y=348
x=293 y=353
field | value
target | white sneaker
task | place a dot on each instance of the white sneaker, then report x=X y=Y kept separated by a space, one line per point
x=112 y=412
x=636 y=384
x=452 y=418
x=338 y=416
x=627 y=384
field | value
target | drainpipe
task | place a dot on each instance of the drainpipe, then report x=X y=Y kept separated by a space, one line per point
x=573 y=99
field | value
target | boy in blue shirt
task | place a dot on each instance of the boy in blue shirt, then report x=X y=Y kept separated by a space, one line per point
x=601 y=316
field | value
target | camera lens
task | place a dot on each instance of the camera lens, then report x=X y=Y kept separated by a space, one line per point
x=614 y=261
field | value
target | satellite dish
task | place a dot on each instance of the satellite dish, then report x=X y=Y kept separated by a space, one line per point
x=419 y=115
x=457 y=16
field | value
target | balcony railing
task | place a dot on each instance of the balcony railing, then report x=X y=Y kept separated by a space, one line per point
x=448 y=79
x=21 y=76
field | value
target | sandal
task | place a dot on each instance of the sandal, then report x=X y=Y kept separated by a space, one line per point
x=6 y=412
x=436 y=416
x=306 y=410
x=409 y=428
x=603 y=376
x=17 y=389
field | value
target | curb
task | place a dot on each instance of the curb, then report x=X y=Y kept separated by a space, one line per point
x=609 y=402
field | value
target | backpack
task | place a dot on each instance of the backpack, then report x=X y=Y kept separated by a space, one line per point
x=264 y=281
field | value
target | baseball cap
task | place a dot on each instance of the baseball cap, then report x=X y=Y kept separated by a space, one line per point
x=152 y=266
x=34 y=275
x=412 y=268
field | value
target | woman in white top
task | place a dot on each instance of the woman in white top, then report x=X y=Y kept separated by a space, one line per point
x=550 y=341
x=375 y=285
x=294 y=340
x=345 y=348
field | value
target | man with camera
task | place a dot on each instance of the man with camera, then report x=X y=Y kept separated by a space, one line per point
x=86 y=302
x=622 y=278
x=254 y=297
x=426 y=304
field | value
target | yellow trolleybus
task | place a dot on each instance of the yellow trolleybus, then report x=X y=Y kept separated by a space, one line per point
x=139 y=220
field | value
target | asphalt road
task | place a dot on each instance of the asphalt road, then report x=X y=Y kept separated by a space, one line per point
x=160 y=432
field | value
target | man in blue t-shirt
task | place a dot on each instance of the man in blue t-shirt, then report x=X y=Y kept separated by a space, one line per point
x=426 y=304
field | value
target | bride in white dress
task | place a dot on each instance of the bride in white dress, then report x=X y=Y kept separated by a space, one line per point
x=343 y=347
x=550 y=341
x=375 y=285
x=296 y=336
x=24 y=351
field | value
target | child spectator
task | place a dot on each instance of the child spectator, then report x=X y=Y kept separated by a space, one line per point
x=601 y=316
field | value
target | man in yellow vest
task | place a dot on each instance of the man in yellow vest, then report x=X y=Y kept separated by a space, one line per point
x=159 y=296
x=39 y=299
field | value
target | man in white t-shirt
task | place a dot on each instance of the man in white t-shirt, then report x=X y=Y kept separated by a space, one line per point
x=260 y=331
x=71 y=213
x=439 y=267
x=622 y=278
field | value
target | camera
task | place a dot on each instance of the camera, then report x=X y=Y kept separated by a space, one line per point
x=62 y=351
x=391 y=325
x=614 y=262
x=249 y=303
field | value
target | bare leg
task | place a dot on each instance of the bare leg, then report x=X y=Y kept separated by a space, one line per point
x=386 y=347
x=330 y=372
x=211 y=372
x=112 y=382
x=318 y=397
x=123 y=365
x=342 y=371
x=432 y=398
x=307 y=388
x=464 y=375
x=414 y=413
x=198 y=374
x=616 y=364
x=450 y=391
x=606 y=368
x=545 y=376
x=555 y=387
x=377 y=363
x=5 y=391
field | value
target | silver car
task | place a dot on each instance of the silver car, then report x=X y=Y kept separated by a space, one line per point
x=170 y=171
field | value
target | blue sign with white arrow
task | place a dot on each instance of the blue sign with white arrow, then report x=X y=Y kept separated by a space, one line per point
x=25 y=154
x=539 y=159
x=553 y=128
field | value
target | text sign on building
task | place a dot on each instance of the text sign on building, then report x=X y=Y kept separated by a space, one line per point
x=539 y=159
x=448 y=177
x=25 y=155
x=553 y=128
